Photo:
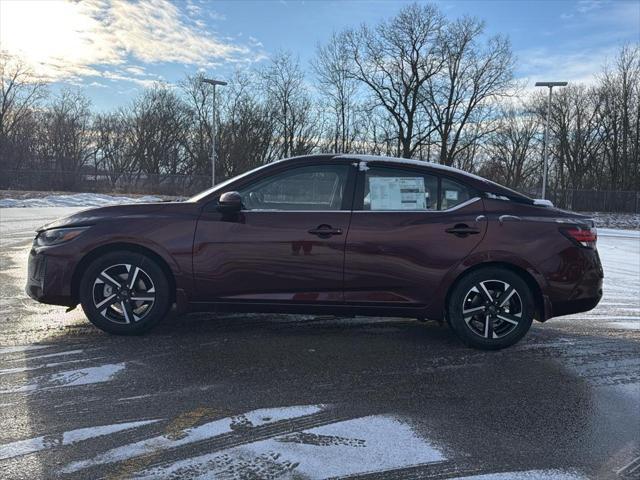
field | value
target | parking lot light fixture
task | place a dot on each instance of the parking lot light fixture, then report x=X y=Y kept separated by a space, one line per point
x=213 y=82
x=545 y=147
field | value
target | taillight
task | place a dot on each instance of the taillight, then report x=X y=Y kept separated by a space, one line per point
x=586 y=237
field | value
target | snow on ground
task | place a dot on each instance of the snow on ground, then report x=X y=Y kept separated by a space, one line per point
x=528 y=475
x=69 y=378
x=75 y=200
x=24 y=447
x=375 y=443
x=615 y=220
x=202 y=432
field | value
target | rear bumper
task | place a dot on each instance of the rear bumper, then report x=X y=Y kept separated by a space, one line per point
x=46 y=282
x=576 y=306
x=577 y=288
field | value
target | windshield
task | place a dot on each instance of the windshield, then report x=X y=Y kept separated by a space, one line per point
x=221 y=186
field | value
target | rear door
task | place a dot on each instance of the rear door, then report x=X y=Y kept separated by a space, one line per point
x=285 y=246
x=409 y=228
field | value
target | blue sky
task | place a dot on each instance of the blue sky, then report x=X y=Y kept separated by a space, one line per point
x=112 y=49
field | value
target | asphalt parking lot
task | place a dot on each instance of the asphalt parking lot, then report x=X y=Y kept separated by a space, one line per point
x=276 y=396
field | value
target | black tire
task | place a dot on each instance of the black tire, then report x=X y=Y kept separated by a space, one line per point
x=129 y=316
x=485 y=324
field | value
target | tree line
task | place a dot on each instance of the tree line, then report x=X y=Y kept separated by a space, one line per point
x=416 y=85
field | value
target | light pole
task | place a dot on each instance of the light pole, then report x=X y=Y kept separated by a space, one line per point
x=213 y=82
x=546 y=131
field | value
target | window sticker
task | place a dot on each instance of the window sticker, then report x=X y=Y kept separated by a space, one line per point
x=451 y=194
x=397 y=193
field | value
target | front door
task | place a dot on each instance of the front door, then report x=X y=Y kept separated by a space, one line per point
x=409 y=228
x=286 y=245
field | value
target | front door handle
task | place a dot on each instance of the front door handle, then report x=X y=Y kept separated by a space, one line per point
x=462 y=230
x=325 y=231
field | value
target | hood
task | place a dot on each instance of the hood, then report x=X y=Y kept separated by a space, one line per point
x=127 y=211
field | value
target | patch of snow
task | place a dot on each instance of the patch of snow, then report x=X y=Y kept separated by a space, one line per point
x=22 y=348
x=49 y=355
x=75 y=200
x=136 y=397
x=363 y=445
x=23 y=447
x=70 y=378
x=528 y=475
x=626 y=325
x=617 y=232
x=8 y=371
x=615 y=220
x=543 y=202
x=205 y=431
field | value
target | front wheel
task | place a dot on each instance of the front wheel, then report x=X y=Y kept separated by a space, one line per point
x=124 y=293
x=491 y=308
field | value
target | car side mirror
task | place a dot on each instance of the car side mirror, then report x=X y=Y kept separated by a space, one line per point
x=229 y=202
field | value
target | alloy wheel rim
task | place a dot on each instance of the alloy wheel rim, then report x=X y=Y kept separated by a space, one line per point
x=123 y=293
x=492 y=309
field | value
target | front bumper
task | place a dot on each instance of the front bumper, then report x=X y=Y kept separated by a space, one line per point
x=46 y=280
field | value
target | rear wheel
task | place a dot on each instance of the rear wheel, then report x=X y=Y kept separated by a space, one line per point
x=124 y=293
x=491 y=308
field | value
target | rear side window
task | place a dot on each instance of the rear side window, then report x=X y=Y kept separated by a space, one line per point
x=397 y=189
x=453 y=194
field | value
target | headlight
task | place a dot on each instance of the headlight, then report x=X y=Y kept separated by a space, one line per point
x=56 y=236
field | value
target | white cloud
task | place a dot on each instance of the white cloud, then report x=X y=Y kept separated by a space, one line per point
x=585 y=6
x=68 y=40
x=576 y=67
x=119 y=75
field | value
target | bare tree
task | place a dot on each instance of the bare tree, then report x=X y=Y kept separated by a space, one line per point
x=461 y=96
x=159 y=123
x=290 y=105
x=247 y=129
x=199 y=102
x=513 y=153
x=394 y=60
x=113 y=146
x=66 y=142
x=20 y=93
x=340 y=89
x=576 y=139
x=620 y=122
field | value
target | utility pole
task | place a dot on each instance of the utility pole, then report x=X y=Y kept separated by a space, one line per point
x=545 y=148
x=213 y=82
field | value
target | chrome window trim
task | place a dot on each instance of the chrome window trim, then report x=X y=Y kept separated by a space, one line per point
x=460 y=205
x=267 y=210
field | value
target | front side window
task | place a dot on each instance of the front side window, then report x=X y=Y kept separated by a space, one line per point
x=315 y=187
x=397 y=189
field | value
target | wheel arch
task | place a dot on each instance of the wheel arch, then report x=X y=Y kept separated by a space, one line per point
x=536 y=290
x=121 y=247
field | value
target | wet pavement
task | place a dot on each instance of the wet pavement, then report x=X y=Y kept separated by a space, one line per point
x=277 y=396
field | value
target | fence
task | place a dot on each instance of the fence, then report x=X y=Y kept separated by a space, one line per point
x=186 y=185
x=104 y=182
x=595 y=200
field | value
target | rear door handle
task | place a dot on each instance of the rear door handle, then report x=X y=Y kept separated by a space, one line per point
x=462 y=230
x=325 y=231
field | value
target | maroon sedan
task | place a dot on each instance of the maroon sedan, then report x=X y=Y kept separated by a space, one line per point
x=344 y=235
